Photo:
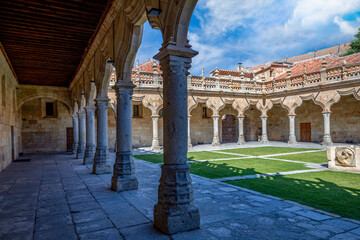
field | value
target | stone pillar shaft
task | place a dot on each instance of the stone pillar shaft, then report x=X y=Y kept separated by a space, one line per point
x=90 y=146
x=75 y=132
x=175 y=211
x=189 y=133
x=241 y=140
x=327 y=136
x=124 y=170
x=292 y=136
x=101 y=159
x=155 y=141
x=82 y=134
x=264 y=137
x=216 y=141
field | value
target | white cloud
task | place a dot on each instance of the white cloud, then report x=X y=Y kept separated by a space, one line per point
x=271 y=29
x=346 y=27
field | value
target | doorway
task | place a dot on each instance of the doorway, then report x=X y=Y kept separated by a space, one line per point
x=305 y=132
x=228 y=129
x=69 y=139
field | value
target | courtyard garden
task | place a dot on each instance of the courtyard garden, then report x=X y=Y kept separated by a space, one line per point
x=335 y=192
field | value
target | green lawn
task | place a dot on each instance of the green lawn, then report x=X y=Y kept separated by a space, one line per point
x=241 y=167
x=259 y=151
x=314 y=157
x=335 y=192
x=192 y=156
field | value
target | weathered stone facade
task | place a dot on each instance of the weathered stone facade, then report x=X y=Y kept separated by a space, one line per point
x=10 y=126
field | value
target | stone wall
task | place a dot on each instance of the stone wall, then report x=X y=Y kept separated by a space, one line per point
x=345 y=120
x=201 y=128
x=278 y=124
x=252 y=124
x=309 y=112
x=111 y=129
x=42 y=134
x=10 y=133
x=142 y=128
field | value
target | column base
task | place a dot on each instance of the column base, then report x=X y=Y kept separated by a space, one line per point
x=264 y=139
x=101 y=161
x=89 y=155
x=327 y=141
x=215 y=142
x=155 y=146
x=80 y=150
x=74 y=148
x=124 y=175
x=171 y=224
x=189 y=144
x=292 y=139
x=175 y=211
x=241 y=140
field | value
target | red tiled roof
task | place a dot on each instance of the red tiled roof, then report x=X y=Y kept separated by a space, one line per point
x=223 y=72
x=331 y=50
x=314 y=65
x=148 y=66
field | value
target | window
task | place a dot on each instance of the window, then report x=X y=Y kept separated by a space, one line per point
x=204 y=112
x=49 y=109
x=136 y=110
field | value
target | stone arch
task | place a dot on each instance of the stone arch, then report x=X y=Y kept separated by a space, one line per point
x=37 y=96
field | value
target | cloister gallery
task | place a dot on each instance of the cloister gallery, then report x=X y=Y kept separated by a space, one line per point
x=111 y=105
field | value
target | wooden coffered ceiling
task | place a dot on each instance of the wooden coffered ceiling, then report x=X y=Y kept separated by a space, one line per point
x=46 y=39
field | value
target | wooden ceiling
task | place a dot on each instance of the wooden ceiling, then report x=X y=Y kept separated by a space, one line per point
x=46 y=39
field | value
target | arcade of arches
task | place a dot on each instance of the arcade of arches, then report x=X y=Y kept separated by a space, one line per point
x=111 y=106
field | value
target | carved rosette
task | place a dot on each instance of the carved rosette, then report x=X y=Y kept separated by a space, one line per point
x=344 y=157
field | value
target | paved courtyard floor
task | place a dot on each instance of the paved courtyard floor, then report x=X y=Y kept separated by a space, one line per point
x=56 y=197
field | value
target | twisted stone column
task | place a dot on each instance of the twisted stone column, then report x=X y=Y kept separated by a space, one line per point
x=75 y=118
x=189 y=136
x=175 y=210
x=241 y=140
x=90 y=146
x=155 y=146
x=327 y=136
x=216 y=141
x=124 y=171
x=264 y=137
x=292 y=136
x=101 y=160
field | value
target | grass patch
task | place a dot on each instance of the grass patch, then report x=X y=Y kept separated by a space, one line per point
x=259 y=151
x=335 y=192
x=314 y=157
x=241 y=167
x=192 y=156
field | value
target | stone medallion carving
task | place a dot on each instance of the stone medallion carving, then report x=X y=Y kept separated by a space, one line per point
x=344 y=157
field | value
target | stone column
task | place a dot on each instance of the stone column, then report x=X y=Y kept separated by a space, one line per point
x=82 y=133
x=264 y=137
x=155 y=146
x=189 y=132
x=292 y=136
x=124 y=171
x=101 y=159
x=175 y=211
x=90 y=146
x=327 y=137
x=241 y=140
x=75 y=118
x=216 y=141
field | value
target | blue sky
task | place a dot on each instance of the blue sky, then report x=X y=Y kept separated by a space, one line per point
x=256 y=31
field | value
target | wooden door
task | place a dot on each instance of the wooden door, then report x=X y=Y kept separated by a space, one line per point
x=229 y=129
x=69 y=139
x=305 y=132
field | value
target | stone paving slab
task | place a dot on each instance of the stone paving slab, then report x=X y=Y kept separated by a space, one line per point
x=61 y=199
